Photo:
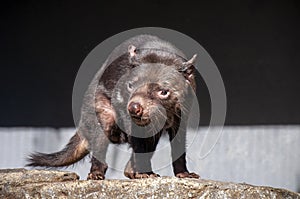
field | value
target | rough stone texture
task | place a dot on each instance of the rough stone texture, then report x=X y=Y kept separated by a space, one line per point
x=21 y=183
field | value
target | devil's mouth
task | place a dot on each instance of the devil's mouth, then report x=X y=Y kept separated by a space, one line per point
x=136 y=117
x=141 y=121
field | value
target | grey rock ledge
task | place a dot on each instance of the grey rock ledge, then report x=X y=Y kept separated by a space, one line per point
x=22 y=183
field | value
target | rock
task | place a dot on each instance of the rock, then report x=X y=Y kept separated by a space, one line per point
x=21 y=183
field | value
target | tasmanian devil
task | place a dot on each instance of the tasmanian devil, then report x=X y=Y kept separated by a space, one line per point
x=142 y=90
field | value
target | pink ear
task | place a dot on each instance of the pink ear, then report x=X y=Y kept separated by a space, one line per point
x=191 y=61
x=188 y=69
x=132 y=50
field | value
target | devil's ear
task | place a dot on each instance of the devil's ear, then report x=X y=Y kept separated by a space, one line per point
x=187 y=69
x=132 y=50
x=188 y=64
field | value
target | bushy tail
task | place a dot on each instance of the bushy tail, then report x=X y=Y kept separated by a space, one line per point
x=75 y=150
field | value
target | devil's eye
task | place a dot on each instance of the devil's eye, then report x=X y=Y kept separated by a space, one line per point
x=163 y=93
x=129 y=86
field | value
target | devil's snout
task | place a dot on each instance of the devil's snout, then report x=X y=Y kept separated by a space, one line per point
x=135 y=109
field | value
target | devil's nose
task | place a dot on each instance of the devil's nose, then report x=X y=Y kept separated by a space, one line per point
x=135 y=109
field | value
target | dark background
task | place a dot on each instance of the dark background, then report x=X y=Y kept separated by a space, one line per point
x=255 y=45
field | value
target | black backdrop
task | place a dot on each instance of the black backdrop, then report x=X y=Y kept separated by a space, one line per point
x=255 y=45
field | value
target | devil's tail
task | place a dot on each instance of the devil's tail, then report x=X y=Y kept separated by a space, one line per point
x=75 y=150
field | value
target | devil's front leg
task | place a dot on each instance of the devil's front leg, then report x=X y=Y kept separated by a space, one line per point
x=98 y=148
x=177 y=135
x=105 y=131
x=139 y=165
x=98 y=168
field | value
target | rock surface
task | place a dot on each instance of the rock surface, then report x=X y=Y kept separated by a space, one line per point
x=22 y=183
